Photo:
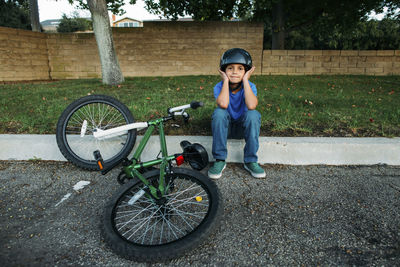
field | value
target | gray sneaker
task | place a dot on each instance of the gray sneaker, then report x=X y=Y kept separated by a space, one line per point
x=255 y=169
x=215 y=171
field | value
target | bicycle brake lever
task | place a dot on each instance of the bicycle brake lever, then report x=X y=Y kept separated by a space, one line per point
x=185 y=117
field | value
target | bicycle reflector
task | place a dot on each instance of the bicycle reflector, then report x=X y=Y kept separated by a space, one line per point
x=195 y=154
x=179 y=159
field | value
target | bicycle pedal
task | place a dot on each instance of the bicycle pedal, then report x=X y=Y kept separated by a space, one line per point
x=99 y=159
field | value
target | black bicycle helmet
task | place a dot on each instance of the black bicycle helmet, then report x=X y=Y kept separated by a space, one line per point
x=236 y=56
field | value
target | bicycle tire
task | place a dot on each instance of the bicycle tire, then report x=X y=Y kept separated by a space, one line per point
x=99 y=111
x=199 y=211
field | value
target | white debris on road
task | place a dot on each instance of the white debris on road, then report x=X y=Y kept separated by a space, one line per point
x=80 y=185
x=64 y=198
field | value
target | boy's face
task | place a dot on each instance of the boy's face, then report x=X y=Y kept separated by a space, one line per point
x=235 y=73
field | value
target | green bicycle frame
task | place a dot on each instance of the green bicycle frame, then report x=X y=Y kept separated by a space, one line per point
x=133 y=169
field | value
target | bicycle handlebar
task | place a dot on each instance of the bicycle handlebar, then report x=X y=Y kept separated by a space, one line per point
x=176 y=111
x=193 y=105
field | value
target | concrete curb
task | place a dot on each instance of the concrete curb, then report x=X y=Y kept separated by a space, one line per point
x=273 y=150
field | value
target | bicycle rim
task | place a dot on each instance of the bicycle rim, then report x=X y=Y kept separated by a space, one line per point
x=148 y=223
x=81 y=123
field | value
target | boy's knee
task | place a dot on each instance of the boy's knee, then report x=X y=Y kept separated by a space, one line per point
x=253 y=116
x=220 y=114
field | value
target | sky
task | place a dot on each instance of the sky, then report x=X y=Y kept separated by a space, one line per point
x=51 y=9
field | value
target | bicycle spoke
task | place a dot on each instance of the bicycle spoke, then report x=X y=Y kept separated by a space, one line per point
x=140 y=226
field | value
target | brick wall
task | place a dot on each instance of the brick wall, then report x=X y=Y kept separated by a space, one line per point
x=73 y=56
x=174 y=48
x=23 y=55
x=157 y=49
x=303 y=62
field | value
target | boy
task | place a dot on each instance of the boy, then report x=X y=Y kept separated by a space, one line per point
x=235 y=116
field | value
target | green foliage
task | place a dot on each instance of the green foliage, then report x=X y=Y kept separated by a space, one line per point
x=74 y=24
x=198 y=9
x=296 y=12
x=115 y=6
x=326 y=24
x=15 y=14
x=364 y=35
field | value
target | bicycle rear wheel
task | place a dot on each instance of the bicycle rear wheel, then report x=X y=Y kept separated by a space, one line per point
x=139 y=228
x=78 y=121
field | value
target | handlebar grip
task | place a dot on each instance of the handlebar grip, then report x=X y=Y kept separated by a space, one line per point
x=196 y=104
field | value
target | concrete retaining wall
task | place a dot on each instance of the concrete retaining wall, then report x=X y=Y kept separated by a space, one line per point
x=273 y=150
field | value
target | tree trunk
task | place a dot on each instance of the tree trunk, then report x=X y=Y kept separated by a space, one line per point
x=110 y=70
x=34 y=13
x=278 y=26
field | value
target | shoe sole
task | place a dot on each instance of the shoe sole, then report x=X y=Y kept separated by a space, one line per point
x=216 y=176
x=255 y=175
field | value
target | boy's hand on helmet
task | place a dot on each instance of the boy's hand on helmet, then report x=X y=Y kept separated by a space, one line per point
x=248 y=73
x=224 y=77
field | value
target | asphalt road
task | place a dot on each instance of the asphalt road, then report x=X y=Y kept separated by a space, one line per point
x=304 y=215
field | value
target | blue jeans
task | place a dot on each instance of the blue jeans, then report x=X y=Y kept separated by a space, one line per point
x=224 y=127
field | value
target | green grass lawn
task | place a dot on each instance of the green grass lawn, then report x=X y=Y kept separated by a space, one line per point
x=289 y=105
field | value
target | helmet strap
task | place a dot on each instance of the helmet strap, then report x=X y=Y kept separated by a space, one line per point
x=234 y=86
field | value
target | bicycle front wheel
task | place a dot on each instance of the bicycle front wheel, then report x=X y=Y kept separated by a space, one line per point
x=140 y=228
x=77 y=123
